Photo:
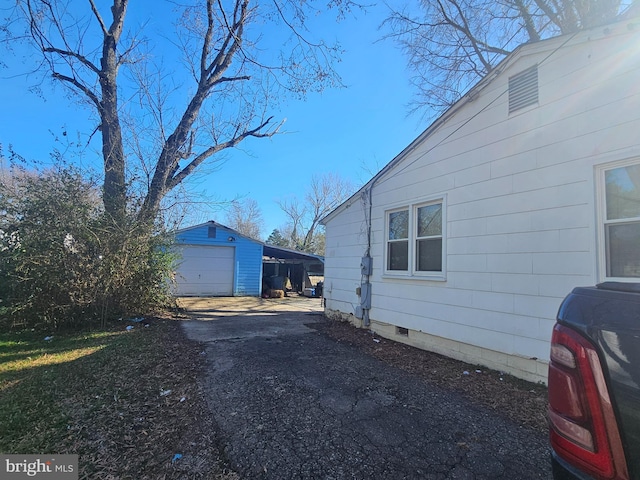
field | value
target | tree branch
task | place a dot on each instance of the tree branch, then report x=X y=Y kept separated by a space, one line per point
x=234 y=36
x=179 y=177
x=76 y=55
x=83 y=88
x=550 y=13
x=525 y=14
x=466 y=31
x=96 y=13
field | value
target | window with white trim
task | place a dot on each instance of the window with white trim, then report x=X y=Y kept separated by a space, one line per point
x=398 y=241
x=429 y=238
x=621 y=218
x=415 y=240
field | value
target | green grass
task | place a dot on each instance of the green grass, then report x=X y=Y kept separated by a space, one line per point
x=98 y=394
x=35 y=377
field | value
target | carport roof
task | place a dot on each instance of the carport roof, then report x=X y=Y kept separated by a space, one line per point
x=288 y=254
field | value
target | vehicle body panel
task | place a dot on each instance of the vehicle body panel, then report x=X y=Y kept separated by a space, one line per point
x=609 y=316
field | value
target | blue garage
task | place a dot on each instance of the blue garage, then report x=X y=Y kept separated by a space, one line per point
x=217 y=261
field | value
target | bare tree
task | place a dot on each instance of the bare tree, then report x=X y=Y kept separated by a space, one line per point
x=143 y=111
x=451 y=44
x=245 y=217
x=295 y=213
x=325 y=193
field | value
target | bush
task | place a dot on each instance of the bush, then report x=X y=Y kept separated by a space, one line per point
x=63 y=262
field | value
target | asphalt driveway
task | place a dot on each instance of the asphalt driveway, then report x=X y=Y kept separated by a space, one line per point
x=292 y=403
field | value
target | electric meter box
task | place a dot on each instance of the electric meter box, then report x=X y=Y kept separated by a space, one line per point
x=366 y=265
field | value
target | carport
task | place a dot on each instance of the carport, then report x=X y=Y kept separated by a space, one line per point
x=291 y=270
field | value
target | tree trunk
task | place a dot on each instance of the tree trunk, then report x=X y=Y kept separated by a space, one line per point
x=114 y=189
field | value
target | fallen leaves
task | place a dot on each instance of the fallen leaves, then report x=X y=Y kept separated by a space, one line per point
x=523 y=402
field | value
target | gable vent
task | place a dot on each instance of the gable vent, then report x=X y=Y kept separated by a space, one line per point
x=523 y=89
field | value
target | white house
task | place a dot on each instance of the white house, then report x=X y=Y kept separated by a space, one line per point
x=467 y=241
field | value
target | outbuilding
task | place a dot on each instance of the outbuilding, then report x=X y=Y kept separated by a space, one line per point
x=467 y=241
x=217 y=261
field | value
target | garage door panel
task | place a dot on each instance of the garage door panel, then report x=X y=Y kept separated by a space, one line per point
x=205 y=270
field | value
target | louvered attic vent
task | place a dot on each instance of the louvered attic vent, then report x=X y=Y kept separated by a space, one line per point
x=523 y=89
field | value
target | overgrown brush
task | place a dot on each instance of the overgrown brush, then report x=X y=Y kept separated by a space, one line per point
x=63 y=261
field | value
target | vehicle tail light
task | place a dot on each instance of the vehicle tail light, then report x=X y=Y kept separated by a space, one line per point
x=583 y=429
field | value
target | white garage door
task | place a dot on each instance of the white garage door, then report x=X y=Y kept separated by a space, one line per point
x=206 y=271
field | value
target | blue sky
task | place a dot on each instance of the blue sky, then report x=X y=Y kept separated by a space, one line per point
x=353 y=131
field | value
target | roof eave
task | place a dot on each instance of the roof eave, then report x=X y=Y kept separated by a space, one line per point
x=469 y=96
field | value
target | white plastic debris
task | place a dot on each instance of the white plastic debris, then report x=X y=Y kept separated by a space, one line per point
x=129 y=327
x=465 y=373
x=70 y=243
x=183 y=399
x=164 y=393
x=376 y=340
x=48 y=339
x=136 y=320
x=478 y=371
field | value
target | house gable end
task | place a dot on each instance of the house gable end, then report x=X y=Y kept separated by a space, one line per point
x=527 y=57
x=516 y=202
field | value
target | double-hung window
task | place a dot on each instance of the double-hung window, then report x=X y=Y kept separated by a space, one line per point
x=621 y=222
x=398 y=241
x=414 y=240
